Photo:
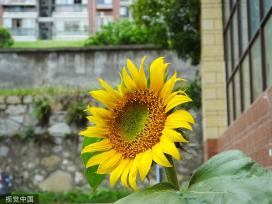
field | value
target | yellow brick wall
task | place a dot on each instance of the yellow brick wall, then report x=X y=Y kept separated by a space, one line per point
x=212 y=70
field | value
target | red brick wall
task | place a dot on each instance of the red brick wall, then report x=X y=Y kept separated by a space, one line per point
x=1 y=15
x=91 y=15
x=251 y=132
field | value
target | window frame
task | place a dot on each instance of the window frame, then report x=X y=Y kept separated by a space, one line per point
x=234 y=6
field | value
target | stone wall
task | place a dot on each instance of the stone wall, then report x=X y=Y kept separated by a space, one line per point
x=78 y=67
x=49 y=158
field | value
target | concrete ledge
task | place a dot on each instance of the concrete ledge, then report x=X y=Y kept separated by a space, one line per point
x=83 y=49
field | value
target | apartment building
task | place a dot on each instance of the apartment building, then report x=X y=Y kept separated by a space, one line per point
x=29 y=20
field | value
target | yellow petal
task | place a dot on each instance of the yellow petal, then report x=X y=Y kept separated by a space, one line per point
x=104 y=97
x=109 y=89
x=99 y=158
x=125 y=173
x=181 y=115
x=168 y=87
x=177 y=100
x=99 y=132
x=96 y=120
x=159 y=157
x=142 y=77
x=129 y=83
x=157 y=71
x=116 y=173
x=99 y=112
x=170 y=148
x=133 y=70
x=109 y=164
x=172 y=135
x=132 y=178
x=178 y=124
x=145 y=164
x=103 y=145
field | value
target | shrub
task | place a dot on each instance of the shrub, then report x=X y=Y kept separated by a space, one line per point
x=76 y=114
x=5 y=38
x=122 y=32
x=42 y=109
x=27 y=133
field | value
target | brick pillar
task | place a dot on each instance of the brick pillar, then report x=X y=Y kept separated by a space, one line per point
x=116 y=9
x=1 y=15
x=91 y=15
x=213 y=75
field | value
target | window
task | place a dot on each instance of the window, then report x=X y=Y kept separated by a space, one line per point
x=229 y=56
x=237 y=94
x=71 y=26
x=17 y=23
x=248 y=51
x=268 y=49
x=124 y=11
x=235 y=38
x=256 y=68
x=77 y=2
x=254 y=16
x=230 y=103
x=244 y=25
x=267 y=5
x=226 y=10
x=246 y=83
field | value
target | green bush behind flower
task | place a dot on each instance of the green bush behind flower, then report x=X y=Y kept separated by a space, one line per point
x=123 y=32
x=6 y=40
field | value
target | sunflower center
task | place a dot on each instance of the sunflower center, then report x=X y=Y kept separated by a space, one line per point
x=132 y=121
x=138 y=122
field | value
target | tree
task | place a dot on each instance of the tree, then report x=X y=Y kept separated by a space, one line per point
x=5 y=38
x=174 y=24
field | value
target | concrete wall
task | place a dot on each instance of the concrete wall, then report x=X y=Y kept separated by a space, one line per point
x=78 y=67
x=213 y=73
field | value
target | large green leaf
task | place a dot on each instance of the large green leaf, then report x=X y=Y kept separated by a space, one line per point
x=92 y=177
x=161 y=193
x=229 y=177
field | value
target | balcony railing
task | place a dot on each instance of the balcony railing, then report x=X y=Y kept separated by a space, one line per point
x=18 y=2
x=102 y=4
x=71 y=8
x=71 y=32
x=22 y=31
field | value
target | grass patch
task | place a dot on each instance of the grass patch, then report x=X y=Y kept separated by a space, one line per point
x=49 y=44
x=42 y=91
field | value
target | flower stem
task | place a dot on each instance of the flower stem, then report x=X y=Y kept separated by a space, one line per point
x=171 y=173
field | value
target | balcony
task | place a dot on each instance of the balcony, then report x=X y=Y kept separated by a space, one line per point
x=104 y=4
x=18 y=2
x=22 y=31
x=71 y=8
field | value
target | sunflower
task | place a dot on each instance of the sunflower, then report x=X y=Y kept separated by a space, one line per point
x=138 y=124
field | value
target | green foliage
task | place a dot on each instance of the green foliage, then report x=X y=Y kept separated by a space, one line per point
x=6 y=40
x=27 y=133
x=42 y=109
x=229 y=177
x=92 y=177
x=46 y=90
x=172 y=23
x=49 y=44
x=76 y=113
x=193 y=90
x=122 y=32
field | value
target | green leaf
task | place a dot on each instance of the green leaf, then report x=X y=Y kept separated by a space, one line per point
x=227 y=163
x=92 y=177
x=229 y=177
x=160 y=194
